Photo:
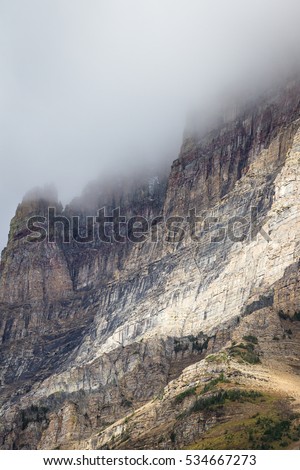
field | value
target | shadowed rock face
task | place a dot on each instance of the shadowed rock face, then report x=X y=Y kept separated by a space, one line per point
x=90 y=332
x=208 y=168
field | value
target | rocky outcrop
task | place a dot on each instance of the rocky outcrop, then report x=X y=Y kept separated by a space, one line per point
x=93 y=331
x=32 y=272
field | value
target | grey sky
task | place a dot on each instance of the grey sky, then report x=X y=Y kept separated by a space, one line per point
x=88 y=86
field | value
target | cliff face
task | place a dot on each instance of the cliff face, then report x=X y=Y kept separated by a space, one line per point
x=32 y=271
x=93 y=331
x=208 y=168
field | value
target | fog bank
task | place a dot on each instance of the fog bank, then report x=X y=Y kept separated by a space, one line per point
x=92 y=87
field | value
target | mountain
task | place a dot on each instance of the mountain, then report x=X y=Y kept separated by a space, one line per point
x=185 y=334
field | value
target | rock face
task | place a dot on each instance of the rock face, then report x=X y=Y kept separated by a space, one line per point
x=94 y=332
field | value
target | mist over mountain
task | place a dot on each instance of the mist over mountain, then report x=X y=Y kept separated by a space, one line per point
x=182 y=118
x=98 y=88
x=153 y=340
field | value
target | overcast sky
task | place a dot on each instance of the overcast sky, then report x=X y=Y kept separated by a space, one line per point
x=88 y=86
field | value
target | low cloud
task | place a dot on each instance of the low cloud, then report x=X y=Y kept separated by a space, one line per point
x=93 y=87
